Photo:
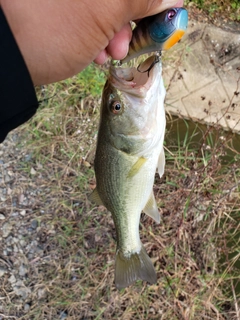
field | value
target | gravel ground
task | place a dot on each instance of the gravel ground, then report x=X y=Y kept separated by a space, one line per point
x=20 y=243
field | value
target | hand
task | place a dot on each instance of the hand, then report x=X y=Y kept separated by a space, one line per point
x=118 y=46
x=59 y=38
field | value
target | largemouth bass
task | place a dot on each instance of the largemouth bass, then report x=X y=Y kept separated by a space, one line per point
x=129 y=149
x=158 y=32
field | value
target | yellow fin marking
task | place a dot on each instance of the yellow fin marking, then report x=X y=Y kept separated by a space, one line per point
x=136 y=167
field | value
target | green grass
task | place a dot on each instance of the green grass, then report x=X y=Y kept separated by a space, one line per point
x=230 y=9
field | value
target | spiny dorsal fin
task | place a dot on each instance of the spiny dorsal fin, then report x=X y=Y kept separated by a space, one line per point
x=94 y=197
x=151 y=209
x=161 y=163
x=136 y=167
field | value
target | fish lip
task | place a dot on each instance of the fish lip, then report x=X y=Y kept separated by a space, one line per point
x=130 y=77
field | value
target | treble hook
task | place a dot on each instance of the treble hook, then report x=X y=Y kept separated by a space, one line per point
x=156 y=60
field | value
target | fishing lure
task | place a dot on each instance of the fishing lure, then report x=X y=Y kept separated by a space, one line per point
x=157 y=33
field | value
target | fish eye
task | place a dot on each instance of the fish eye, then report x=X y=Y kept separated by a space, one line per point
x=171 y=14
x=116 y=107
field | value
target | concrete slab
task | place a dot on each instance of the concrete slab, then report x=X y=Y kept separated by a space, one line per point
x=229 y=75
x=207 y=103
x=222 y=45
x=196 y=69
x=232 y=119
x=175 y=85
x=202 y=76
x=194 y=33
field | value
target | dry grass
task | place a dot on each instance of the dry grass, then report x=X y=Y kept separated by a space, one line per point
x=195 y=249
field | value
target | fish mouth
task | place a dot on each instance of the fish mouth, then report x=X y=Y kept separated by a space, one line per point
x=136 y=77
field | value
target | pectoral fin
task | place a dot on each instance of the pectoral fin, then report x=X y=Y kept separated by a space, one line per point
x=161 y=163
x=151 y=209
x=94 y=197
x=136 y=167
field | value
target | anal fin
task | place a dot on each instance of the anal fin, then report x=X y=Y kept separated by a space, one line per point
x=94 y=197
x=151 y=209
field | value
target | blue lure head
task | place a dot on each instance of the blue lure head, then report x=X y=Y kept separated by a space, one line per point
x=170 y=22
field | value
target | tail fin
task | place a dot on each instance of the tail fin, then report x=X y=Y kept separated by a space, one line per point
x=130 y=269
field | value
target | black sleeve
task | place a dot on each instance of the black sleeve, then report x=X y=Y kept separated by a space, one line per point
x=18 y=101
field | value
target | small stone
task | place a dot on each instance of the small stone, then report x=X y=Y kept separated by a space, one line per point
x=34 y=224
x=10 y=173
x=6 y=229
x=21 y=198
x=41 y=293
x=23 y=212
x=15 y=214
x=20 y=289
x=23 y=270
x=14 y=203
x=30 y=256
x=22 y=243
x=2 y=216
x=28 y=157
x=2 y=271
x=26 y=307
x=33 y=171
x=63 y=315
x=12 y=279
x=9 y=250
x=7 y=178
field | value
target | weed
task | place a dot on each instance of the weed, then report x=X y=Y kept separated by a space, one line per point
x=228 y=8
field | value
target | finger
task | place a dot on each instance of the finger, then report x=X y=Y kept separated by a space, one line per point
x=118 y=46
x=101 y=57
